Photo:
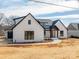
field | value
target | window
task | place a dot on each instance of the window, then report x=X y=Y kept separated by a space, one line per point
x=44 y=33
x=29 y=21
x=29 y=35
x=78 y=26
x=61 y=33
x=10 y=35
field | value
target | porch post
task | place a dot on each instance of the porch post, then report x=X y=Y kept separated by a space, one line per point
x=57 y=33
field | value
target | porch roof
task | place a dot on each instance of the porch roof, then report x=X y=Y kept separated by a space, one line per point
x=49 y=23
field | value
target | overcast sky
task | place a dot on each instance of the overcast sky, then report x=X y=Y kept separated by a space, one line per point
x=40 y=10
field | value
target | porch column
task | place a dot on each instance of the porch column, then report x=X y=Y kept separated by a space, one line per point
x=57 y=34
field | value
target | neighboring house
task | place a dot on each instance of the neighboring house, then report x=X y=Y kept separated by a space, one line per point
x=29 y=29
x=73 y=30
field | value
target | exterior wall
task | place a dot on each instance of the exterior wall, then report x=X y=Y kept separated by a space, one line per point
x=73 y=33
x=18 y=31
x=6 y=34
x=61 y=28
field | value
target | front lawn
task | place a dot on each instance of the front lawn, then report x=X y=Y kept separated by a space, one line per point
x=67 y=49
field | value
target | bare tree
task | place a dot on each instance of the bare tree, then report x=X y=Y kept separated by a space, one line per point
x=1 y=16
x=11 y=19
x=5 y=21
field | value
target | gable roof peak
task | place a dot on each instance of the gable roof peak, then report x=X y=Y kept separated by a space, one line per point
x=24 y=18
x=29 y=14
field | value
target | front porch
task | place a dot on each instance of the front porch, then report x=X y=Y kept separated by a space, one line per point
x=53 y=33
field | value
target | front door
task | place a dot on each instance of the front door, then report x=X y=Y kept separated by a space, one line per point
x=54 y=34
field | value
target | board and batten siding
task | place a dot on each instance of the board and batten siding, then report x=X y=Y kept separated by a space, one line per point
x=61 y=28
x=18 y=31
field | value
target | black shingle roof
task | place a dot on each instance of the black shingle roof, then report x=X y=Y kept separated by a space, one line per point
x=51 y=26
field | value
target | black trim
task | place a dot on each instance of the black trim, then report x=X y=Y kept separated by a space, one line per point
x=53 y=24
x=24 y=18
x=18 y=18
x=63 y=24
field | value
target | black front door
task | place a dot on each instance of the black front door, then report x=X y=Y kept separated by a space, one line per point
x=10 y=35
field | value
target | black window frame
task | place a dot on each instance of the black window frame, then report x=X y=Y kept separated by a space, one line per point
x=29 y=22
x=61 y=33
x=29 y=35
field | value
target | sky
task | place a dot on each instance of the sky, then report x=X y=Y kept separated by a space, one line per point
x=41 y=10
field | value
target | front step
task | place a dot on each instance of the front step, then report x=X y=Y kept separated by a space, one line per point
x=54 y=39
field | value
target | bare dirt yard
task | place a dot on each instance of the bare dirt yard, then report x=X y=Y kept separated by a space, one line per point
x=67 y=49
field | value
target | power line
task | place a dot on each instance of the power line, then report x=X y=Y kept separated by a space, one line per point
x=53 y=4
